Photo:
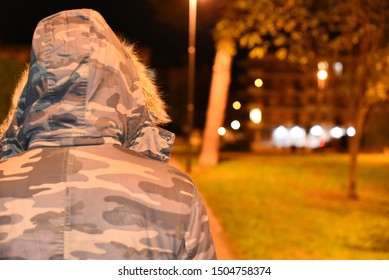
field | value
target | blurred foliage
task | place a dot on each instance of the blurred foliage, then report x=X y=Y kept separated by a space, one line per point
x=293 y=206
x=283 y=27
x=301 y=30
x=10 y=71
x=306 y=31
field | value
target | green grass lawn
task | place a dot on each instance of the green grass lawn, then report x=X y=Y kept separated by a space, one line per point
x=296 y=206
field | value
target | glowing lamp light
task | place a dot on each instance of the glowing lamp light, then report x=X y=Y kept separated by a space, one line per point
x=322 y=75
x=316 y=130
x=258 y=83
x=338 y=68
x=336 y=132
x=235 y=125
x=256 y=115
x=297 y=135
x=236 y=105
x=281 y=132
x=322 y=65
x=280 y=135
x=297 y=132
x=351 y=131
x=221 y=131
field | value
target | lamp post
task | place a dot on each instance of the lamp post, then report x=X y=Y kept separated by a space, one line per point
x=191 y=78
x=322 y=76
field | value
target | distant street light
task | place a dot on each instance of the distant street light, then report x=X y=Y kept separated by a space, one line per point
x=236 y=105
x=221 y=131
x=316 y=131
x=258 y=83
x=351 y=131
x=235 y=125
x=337 y=132
x=191 y=76
x=256 y=115
x=322 y=76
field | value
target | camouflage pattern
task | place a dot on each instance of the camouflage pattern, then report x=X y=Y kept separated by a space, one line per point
x=84 y=173
x=83 y=85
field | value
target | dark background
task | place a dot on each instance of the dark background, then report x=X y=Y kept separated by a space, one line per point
x=160 y=26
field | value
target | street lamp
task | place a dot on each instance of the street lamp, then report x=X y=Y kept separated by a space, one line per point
x=322 y=76
x=191 y=76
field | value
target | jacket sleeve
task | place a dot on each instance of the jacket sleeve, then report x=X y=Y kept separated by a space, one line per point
x=198 y=238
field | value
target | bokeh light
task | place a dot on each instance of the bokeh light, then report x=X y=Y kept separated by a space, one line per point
x=236 y=105
x=256 y=115
x=336 y=132
x=258 y=83
x=235 y=125
x=316 y=130
x=322 y=75
x=351 y=131
x=221 y=131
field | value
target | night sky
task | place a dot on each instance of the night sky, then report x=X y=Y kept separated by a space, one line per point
x=162 y=26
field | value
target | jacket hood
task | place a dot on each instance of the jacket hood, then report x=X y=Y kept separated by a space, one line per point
x=85 y=87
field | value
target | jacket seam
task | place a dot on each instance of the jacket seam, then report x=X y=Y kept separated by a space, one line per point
x=66 y=204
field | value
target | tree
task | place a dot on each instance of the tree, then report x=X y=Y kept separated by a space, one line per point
x=259 y=26
x=360 y=30
x=225 y=35
x=218 y=97
x=302 y=32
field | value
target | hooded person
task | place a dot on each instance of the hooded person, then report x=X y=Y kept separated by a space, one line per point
x=83 y=172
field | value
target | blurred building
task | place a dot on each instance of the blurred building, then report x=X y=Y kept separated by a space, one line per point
x=294 y=108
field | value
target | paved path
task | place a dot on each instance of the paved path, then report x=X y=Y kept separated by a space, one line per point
x=222 y=244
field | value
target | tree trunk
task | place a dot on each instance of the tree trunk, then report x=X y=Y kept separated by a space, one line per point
x=354 y=148
x=218 y=97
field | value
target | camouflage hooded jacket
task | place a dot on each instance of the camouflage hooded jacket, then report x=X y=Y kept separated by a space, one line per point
x=83 y=172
